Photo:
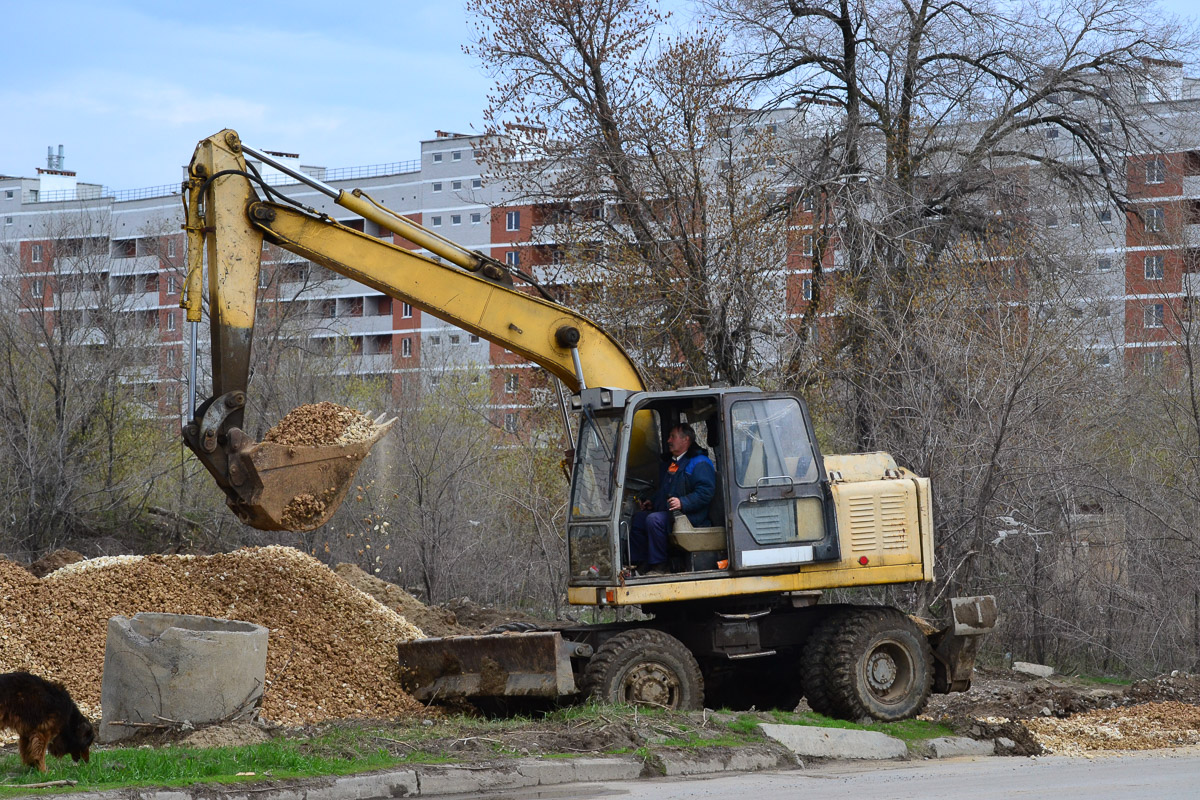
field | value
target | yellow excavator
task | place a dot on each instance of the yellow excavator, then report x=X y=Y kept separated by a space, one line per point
x=736 y=618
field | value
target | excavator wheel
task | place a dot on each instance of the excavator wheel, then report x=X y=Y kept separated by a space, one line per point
x=645 y=668
x=814 y=667
x=879 y=665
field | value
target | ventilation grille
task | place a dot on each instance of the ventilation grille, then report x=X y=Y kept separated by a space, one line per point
x=877 y=523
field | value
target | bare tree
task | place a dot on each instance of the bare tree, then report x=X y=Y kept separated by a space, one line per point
x=620 y=132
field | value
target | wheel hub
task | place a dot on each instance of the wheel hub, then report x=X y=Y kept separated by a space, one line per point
x=881 y=671
x=653 y=685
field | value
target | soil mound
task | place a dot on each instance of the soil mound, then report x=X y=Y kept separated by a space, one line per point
x=433 y=621
x=331 y=649
x=52 y=561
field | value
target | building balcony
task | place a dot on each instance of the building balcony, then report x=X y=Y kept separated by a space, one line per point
x=134 y=266
x=350 y=326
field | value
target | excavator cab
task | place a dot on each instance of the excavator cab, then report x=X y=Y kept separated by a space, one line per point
x=771 y=510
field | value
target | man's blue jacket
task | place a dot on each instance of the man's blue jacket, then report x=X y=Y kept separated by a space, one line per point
x=693 y=483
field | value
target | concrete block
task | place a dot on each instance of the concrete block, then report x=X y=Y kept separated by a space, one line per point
x=607 y=769
x=1038 y=670
x=675 y=764
x=547 y=771
x=835 y=742
x=400 y=783
x=179 y=667
x=467 y=780
x=951 y=746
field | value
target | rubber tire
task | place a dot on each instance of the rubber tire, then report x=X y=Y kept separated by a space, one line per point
x=645 y=667
x=814 y=670
x=887 y=642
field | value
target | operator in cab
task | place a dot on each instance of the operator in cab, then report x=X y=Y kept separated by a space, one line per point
x=686 y=484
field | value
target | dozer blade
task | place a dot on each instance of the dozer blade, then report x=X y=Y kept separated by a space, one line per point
x=283 y=487
x=536 y=664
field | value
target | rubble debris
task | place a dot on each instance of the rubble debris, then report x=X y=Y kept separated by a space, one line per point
x=1140 y=727
x=319 y=424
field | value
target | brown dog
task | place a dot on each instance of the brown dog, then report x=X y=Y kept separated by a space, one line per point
x=45 y=717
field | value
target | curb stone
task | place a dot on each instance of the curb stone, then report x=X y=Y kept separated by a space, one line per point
x=804 y=740
x=435 y=780
x=952 y=746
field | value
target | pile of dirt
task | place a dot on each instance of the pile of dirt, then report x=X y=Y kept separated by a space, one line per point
x=331 y=649
x=433 y=621
x=481 y=619
x=52 y=561
x=1014 y=695
x=321 y=424
x=1176 y=686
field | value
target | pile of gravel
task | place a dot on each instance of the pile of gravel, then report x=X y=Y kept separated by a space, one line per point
x=331 y=650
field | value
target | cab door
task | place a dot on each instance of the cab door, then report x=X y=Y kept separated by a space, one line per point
x=780 y=510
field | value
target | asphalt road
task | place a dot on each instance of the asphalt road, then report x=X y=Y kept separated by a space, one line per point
x=1162 y=775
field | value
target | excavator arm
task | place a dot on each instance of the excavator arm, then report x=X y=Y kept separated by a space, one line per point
x=228 y=221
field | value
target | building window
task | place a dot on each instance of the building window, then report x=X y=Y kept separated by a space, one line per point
x=437 y=158
x=1051 y=131
x=1052 y=220
x=1152 y=362
x=1153 y=315
x=435 y=339
x=35 y=254
x=1155 y=220
x=406 y=310
x=1104 y=264
x=435 y=221
x=1154 y=268
x=1104 y=215
x=474 y=338
x=808 y=245
x=1104 y=360
x=512 y=258
x=170 y=320
x=437 y=187
x=456 y=185
x=476 y=218
x=456 y=219
x=37 y=288
x=510 y=384
x=806 y=288
x=510 y=423
x=454 y=338
x=1102 y=311
x=477 y=183
x=1076 y=220
x=8 y=220
x=8 y=194
x=170 y=248
x=1156 y=170
x=406 y=347
x=263 y=278
x=170 y=284
x=512 y=221
x=456 y=155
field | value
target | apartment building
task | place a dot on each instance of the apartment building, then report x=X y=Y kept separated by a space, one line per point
x=127 y=247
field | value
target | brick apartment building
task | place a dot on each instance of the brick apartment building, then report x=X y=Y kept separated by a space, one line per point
x=51 y=222
x=1143 y=284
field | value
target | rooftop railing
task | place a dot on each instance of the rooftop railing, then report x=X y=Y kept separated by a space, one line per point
x=173 y=189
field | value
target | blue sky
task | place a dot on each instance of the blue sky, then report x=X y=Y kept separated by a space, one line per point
x=129 y=86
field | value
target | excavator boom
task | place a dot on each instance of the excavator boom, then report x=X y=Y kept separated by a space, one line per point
x=288 y=487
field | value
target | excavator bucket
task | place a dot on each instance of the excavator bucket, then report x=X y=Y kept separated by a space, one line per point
x=289 y=487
